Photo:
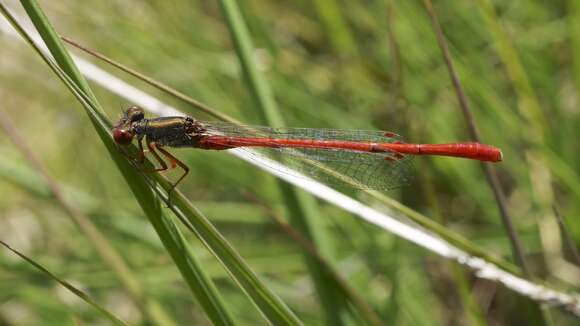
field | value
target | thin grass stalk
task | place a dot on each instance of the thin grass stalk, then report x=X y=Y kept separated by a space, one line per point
x=539 y=157
x=529 y=105
x=455 y=238
x=268 y=303
x=67 y=285
x=489 y=171
x=459 y=274
x=491 y=175
x=302 y=208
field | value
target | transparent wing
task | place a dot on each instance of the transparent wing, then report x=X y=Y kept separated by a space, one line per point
x=360 y=169
x=233 y=130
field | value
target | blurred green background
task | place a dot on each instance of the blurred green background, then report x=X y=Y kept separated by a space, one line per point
x=371 y=64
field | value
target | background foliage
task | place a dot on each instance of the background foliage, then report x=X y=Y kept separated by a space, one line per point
x=354 y=65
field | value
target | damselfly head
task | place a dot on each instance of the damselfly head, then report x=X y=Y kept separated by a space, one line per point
x=123 y=131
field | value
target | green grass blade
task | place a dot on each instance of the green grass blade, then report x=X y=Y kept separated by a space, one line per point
x=68 y=286
x=271 y=306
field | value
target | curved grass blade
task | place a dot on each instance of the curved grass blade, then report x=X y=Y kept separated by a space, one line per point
x=85 y=297
x=269 y=304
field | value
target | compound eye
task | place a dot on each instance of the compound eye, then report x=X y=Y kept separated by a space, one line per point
x=122 y=136
x=135 y=113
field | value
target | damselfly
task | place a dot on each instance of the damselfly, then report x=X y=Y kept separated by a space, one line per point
x=364 y=159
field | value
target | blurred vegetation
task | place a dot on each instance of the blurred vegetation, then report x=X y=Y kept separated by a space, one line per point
x=338 y=64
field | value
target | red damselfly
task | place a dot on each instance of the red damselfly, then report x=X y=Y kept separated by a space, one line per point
x=364 y=159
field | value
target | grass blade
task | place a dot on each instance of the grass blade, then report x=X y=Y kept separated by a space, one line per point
x=68 y=286
x=490 y=172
